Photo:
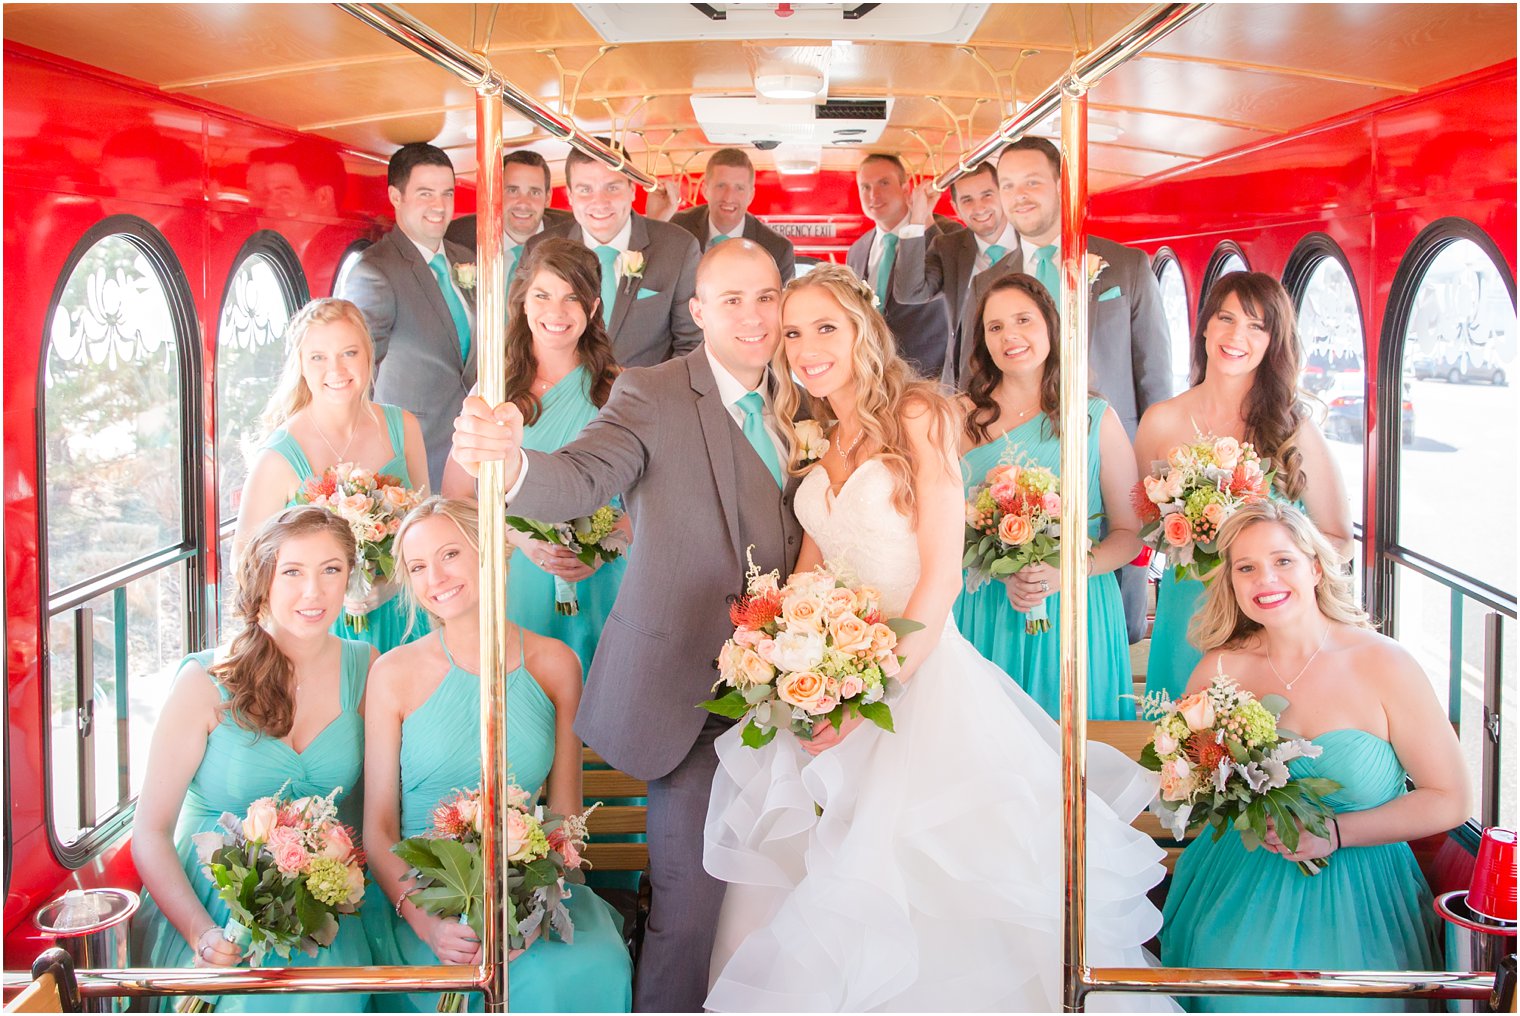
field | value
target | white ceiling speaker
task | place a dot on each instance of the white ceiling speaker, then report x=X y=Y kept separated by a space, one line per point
x=792 y=85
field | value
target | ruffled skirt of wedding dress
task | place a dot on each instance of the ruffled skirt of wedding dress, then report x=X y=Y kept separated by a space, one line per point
x=932 y=879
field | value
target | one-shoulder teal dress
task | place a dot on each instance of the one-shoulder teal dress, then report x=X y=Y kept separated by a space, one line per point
x=439 y=755
x=387 y=623
x=240 y=767
x=1371 y=909
x=566 y=409
x=990 y=623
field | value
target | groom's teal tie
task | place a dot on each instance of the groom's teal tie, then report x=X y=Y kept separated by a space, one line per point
x=756 y=434
x=440 y=266
x=608 y=257
x=1045 y=270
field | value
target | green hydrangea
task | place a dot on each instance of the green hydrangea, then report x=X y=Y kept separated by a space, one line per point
x=603 y=520
x=1177 y=727
x=1200 y=499
x=327 y=880
x=984 y=503
x=1037 y=480
x=1258 y=725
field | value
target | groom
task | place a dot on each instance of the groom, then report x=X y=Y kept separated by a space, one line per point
x=693 y=447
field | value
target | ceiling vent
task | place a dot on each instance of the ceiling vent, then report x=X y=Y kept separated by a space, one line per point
x=749 y=120
x=851 y=109
x=846 y=21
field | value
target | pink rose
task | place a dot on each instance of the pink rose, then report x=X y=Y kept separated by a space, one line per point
x=1051 y=503
x=339 y=846
x=1004 y=493
x=517 y=835
x=1227 y=452
x=765 y=649
x=823 y=706
x=802 y=688
x=261 y=819
x=288 y=851
x=850 y=687
x=1213 y=512
x=851 y=634
x=749 y=638
x=1165 y=743
x=1015 y=530
x=1176 y=780
x=889 y=665
x=1197 y=711
x=1177 y=530
x=560 y=841
x=1155 y=489
x=728 y=660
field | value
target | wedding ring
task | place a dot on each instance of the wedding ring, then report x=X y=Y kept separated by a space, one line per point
x=1044 y=586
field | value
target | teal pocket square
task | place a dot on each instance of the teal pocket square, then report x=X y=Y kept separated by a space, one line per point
x=645 y=294
x=1109 y=294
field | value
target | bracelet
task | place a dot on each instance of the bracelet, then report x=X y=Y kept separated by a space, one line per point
x=1335 y=823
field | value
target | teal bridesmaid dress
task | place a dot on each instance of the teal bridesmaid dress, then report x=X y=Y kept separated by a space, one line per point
x=387 y=627
x=1172 y=658
x=990 y=623
x=566 y=409
x=1371 y=909
x=595 y=974
x=240 y=767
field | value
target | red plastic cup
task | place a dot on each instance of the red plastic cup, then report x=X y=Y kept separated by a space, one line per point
x=1492 y=893
x=1144 y=557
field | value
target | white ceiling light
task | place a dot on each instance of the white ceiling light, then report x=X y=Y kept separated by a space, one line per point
x=792 y=85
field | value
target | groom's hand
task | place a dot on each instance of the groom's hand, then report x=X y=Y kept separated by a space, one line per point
x=483 y=434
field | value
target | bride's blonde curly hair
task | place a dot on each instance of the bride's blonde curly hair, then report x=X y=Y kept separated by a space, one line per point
x=886 y=388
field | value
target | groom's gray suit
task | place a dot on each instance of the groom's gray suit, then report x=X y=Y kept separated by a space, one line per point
x=699 y=497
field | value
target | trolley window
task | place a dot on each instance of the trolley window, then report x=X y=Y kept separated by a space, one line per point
x=1174 y=304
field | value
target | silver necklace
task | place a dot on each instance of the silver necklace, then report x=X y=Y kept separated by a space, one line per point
x=1289 y=684
x=351 y=435
x=847 y=452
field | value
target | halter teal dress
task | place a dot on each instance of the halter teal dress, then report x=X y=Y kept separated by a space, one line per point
x=595 y=973
x=566 y=409
x=989 y=622
x=240 y=767
x=387 y=623
x=1371 y=909
x=1172 y=658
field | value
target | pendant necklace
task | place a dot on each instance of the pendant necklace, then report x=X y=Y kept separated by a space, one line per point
x=337 y=454
x=847 y=452
x=1289 y=684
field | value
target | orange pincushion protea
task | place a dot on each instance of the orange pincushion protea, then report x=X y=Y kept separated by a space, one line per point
x=754 y=611
x=1204 y=751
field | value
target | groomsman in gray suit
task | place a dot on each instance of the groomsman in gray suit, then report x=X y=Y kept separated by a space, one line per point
x=922 y=330
x=693 y=447
x=728 y=184
x=1128 y=347
x=945 y=267
x=525 y=187
x=649 y=268
x=417 y=293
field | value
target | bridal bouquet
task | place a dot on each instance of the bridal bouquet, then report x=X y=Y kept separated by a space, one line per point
x=447 y=877
x=373 y=505
x=286 y=870
x=590 y=538
x=1186 y=499
x=1013 y=520
x=813 y=649
x=1224 y=763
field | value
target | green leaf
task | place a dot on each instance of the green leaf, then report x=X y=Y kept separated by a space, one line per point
x=755 y=736
x=1148 y=757
x=731 y=705
x=1002 y=567
x=1319 y=786
x=903 y=626
x=417 y=851
x=878 y=713
x=1274 y=704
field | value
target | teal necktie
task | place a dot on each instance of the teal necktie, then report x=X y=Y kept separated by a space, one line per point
x=1045 y=270
x=440 y=266
x=717 y=240
x=884 y=270
x=514 y=255
x=756 y=434
x=608 y=257
x=995 y=253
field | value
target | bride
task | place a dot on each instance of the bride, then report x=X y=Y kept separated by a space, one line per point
x=921 y=869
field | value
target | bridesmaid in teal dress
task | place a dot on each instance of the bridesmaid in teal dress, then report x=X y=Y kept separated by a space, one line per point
x=560 y=370
x=1282 y=619
x=279 y=707
x=424 y=731
x=1247 y=359
x=1012 y=409
x=319 y=416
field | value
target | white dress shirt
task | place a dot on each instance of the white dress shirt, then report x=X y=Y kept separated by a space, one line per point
x=905 y=230
x=731 y=390
x=1009 y=239
x=621 y=241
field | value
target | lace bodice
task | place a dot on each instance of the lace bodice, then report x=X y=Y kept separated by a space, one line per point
x=861 y=534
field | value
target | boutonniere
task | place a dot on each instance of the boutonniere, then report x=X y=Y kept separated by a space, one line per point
x=811 y=444
x=1095 y=266
x=630 y=264
x=464 y=275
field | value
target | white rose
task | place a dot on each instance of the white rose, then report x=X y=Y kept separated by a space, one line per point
x=798 y=650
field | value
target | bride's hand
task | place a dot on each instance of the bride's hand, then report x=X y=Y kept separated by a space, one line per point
x=825 y=736
x=1029 y=586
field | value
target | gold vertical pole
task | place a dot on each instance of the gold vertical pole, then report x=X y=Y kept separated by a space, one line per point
x=1074 y=438
x=490 y=358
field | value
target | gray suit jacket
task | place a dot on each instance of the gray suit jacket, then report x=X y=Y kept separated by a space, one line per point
x=923 y=329
x=943 y=268
x=694 y=221
x=698 y=497
x=417 y=361
x=1130 y=353
x=651 y=318
x=462 y=229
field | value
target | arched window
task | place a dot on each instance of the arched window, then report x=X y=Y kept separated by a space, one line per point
x=266 y=288
x=1174 y=304
x=1335 y=370
x=120 y=527
x=1447 y=573
x=1227 y=258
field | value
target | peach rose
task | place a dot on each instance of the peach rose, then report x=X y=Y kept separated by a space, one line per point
x=1180 y=457
x=261 y=819
x=1173 y=486
x=764 y=649
x=802 y=613
x=469 y=812
x=1015 y=530
x=839 y=600
x=889 y=665
x=1176 y=780
x=804 y=688
x=728 y=659
x=339 y=846
x=749 y=638
x=355 y=885
x=1177 y=530
x=851 y=686
x=868 y=597
x=1197 y=711
x=751 y=669
x=1227 y=452
x=1165 y=743
x=517 y=835
x=883 y=641
x=764 y=585
x=1006 y=473
x=851 y=634
x=1213 y=512
x=823 y=706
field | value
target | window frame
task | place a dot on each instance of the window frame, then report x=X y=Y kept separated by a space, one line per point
x=156 y=250
x=359 y=246
x=1212 y=273
x=1166 y=256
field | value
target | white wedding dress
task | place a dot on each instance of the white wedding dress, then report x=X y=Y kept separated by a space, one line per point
x=932 y=879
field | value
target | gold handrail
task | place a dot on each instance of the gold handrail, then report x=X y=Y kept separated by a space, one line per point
x=140 y=982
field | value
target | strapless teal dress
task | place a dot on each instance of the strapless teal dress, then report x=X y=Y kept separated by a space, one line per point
x=1371 y=909
x=387 y=627
x=567 y=408
x=440 y=754
x=989 y=622
x=240 y=767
